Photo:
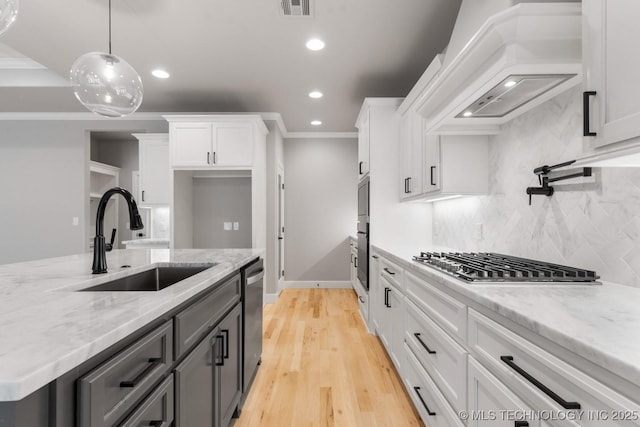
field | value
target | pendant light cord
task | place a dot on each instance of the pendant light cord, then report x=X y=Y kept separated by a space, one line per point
x=109 y=27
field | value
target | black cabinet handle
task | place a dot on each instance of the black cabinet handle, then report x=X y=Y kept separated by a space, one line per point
x=374 y=256
x=355 y=262
x=429 y=412
x=360 y=168
x=208 y=156
x=157 y=423
x=409 y=185
x=386 y=297
x=389 y=271
x=521 y=424
x=560 y=401
x=433 y=169
x=226 y=343
x=143 y=195
x=361 y=299
x=586 y=113
x=417 y=335
x=406 y=185
x=214 y=158
x=221 y=363
x=153 y=363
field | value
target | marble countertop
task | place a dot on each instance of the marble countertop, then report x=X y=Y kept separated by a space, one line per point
x=601 y=323
x=47 y=328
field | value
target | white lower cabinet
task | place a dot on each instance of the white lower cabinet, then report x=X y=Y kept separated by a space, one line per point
x=392 y=330
x=428 y=400
x=549 y=384
x=491 y=403
x=445 y=360
x=375 y=298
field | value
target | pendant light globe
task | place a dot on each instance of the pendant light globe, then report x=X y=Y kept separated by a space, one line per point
x=8 y=14
x=106 y=84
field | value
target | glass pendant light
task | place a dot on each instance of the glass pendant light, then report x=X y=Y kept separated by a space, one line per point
x=105 y=83
x=8 y=13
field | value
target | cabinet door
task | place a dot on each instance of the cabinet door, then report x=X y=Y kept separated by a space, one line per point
x=191 y=144
x=363 y=146
x=491 y=403
x=354 y=268
x=431 y=162
x=406 y=151
x=195 y=384
x=610 y=34
x=385 y=315
x=375 y=298
x=232 y=144
x=230 y=384
x=154 y=172
x=397 y=320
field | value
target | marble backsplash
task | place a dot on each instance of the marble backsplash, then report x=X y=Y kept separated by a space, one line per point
x=592 y=223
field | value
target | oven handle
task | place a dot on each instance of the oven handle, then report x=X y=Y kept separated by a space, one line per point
x=255 y=278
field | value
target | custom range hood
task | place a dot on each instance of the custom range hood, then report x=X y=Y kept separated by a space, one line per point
x=504 y=58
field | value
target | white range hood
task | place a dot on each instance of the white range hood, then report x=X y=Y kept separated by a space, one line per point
x=516 y=60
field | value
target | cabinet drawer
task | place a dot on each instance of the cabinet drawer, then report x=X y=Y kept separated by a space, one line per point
x=431 y=404
x=109 y=392
x=440 y=355
x=527 y=369
x=392 y=272
x=156 y=409
x=492 y=404
x=193 y=323
x=449 y=313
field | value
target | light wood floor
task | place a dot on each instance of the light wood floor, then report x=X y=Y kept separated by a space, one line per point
x=320 y=367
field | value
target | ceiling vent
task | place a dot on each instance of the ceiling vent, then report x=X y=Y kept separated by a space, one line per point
x=295 y=7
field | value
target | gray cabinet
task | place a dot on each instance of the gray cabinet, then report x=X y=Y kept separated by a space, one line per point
x=195 y=384
x=209 y=379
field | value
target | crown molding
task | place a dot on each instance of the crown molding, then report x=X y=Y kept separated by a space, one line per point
x=143 y=116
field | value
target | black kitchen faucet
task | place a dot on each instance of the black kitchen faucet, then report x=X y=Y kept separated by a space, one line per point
x=99 y=246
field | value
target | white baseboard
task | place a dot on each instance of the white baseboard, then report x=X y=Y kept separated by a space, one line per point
x=318 y=284
x=270 y=298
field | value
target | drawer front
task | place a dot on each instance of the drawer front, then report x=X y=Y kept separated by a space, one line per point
x=440 y=355
x=430 y=403
x=111 y=390
x=449 y=313
x=545 y=381
x=193 y=323
x=156 y=410
x=392 y=272
x=492 y=404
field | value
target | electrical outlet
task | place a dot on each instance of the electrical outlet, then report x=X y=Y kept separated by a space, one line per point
x=236 y=226
x=228 y=226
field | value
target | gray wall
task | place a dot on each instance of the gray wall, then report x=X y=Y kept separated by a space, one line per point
x=120 y=151
x=320 y=207
x=219 y=200
x=43 y=184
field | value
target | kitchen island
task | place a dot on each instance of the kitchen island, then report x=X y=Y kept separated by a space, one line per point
x=49 y=328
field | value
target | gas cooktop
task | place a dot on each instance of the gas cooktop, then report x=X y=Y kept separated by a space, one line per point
x=493 y=267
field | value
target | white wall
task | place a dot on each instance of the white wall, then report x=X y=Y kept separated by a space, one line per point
x=43 y=180
x=589 y=222
x=320 y=207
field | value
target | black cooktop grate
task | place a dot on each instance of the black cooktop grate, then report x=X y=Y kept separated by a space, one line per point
x=488 y=266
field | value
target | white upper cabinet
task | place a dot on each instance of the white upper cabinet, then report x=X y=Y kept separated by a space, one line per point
x=155 y=175
x=363 y=144
x=611 y=69
x=214 y=141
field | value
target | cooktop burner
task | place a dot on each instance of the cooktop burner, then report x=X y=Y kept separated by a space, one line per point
x=492 y=267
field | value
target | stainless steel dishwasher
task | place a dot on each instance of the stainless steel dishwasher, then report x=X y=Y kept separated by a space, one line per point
x=252 y=288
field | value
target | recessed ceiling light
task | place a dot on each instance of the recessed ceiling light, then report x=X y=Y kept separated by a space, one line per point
x=467 y=113
x=315 y=94
x=510 y=83
x=315 y=44
x=316 y=122
x=161 y=74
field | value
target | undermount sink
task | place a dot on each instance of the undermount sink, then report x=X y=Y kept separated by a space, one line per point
x=151 y=280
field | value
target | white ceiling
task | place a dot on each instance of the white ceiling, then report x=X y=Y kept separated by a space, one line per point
x=236 y=55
